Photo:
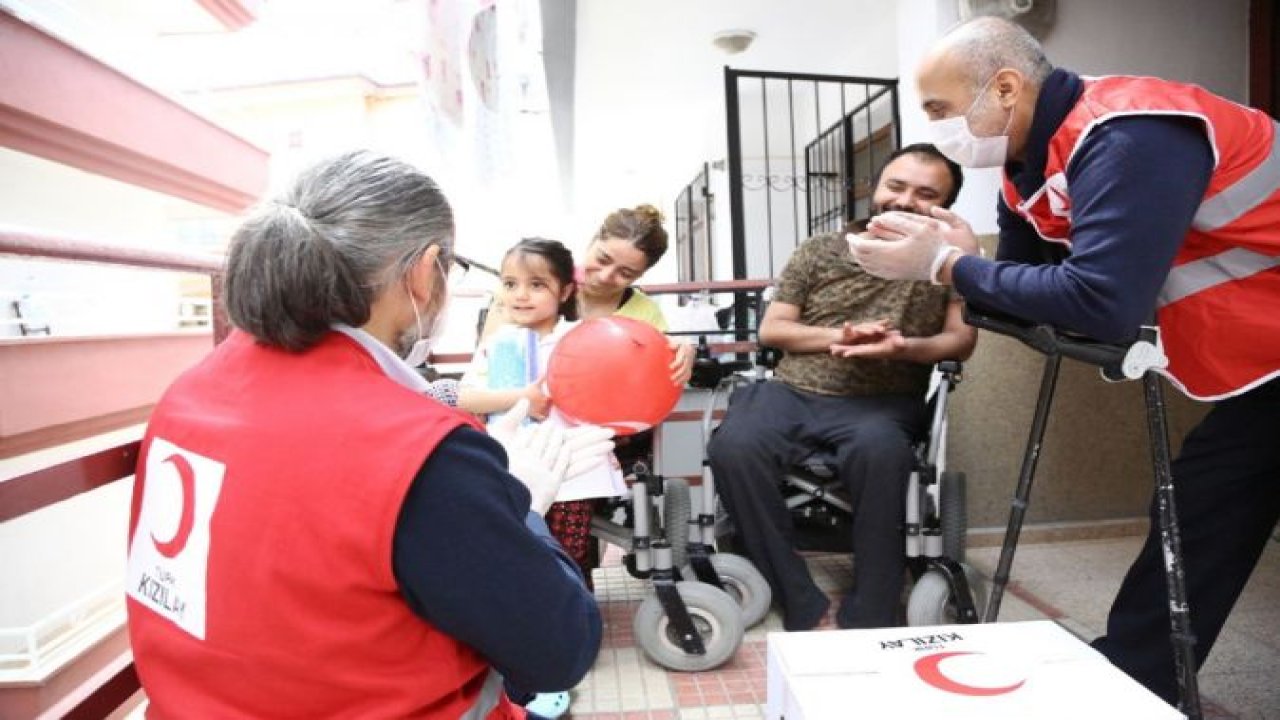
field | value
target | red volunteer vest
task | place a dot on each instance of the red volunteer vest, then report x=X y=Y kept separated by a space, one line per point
x=260 y=562
x=1217 y=310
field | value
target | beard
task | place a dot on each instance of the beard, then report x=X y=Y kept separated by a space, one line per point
x=860 y=226
x=879 y=209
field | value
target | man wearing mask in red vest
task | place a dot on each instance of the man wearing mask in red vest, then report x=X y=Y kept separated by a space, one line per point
x=1167 y=198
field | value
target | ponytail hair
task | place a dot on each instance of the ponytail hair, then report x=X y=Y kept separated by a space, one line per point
x=328 y=247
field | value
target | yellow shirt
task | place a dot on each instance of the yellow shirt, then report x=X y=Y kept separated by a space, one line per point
x=642 y=307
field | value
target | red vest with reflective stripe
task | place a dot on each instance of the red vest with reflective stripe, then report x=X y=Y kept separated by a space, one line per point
x=260 y=568
x=1219 y=310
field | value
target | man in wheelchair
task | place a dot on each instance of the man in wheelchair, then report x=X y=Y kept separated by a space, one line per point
x=857 y=352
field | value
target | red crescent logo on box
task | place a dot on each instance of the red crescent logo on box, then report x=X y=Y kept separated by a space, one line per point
x=174 y=545
x=929 y=669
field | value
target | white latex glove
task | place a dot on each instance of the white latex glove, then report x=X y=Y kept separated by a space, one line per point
x=907 y=246
x=589 y=445
x=541 y=456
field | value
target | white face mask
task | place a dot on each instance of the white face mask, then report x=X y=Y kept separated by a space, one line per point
x=420 y=348
x=956 y=140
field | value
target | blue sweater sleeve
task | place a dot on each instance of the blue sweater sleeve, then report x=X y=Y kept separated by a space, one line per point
x=472 y=560
x=1136 y=183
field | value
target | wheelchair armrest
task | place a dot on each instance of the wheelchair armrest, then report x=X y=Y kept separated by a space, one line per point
x=768 y=357
x=950 y=367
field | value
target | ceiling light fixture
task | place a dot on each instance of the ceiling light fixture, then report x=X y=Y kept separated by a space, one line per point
x=733 y=41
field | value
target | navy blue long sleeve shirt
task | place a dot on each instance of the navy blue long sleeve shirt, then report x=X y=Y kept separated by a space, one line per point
x=473 y=561
x=1135 y=185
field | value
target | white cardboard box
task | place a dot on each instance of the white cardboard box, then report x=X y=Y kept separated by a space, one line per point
x=1002 y=671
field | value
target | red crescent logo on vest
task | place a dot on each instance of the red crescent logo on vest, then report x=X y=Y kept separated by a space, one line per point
x=174 y=545
x=929 y=670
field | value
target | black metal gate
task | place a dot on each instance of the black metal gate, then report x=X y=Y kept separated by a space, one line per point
x=802 y=151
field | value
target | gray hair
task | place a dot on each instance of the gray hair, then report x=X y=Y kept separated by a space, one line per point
x=986 y=44
x=327 y=248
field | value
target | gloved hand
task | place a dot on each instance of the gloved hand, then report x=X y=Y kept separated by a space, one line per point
x=907 y=246
x=541 y=456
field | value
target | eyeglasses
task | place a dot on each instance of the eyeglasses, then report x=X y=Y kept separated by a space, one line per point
x=467 y=263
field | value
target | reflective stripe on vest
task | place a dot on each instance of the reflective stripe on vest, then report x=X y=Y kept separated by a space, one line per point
x=1193 y=277
x=1244 y=194
x=1223 y=209
x=488 y=698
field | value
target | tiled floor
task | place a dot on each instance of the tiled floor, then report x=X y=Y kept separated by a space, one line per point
x=1069 y=582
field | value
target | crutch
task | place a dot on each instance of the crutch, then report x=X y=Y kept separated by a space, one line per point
x=1142 y=359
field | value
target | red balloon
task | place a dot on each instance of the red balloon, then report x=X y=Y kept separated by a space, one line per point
x=613 y=371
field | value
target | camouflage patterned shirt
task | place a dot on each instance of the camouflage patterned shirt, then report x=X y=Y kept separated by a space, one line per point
x=822 y=279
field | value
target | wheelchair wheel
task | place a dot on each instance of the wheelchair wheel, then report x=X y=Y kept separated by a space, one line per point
x=930 y=602
x=715 y=615
x=953 y=515
x=676 y=510
x=743 y=582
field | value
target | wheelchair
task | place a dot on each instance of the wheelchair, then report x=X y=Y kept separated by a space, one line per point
x=945 y=589
x=702 y=601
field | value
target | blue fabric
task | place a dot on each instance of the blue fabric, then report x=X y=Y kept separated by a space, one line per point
x=513 y=358
x=513 y=361
x=471 y=559
x=1135 y=185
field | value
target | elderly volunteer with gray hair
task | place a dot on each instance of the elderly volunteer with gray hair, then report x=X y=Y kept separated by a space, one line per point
x=1168 y=200
x=313 y=536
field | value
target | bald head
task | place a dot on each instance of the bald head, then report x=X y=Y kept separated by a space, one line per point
x=981 y=47
x=989 y=71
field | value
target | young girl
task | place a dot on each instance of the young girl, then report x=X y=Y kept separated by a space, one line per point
x=627 y=244
x=538 y=293
x=538 y=288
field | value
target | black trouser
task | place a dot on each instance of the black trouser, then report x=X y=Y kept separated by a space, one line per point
x=770 y=427
x=1227 y=492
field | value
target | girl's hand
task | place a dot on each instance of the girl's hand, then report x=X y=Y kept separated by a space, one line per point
x=539 y=402
x=682 y=365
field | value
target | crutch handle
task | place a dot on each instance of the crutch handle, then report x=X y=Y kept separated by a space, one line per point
x=1051 y=341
